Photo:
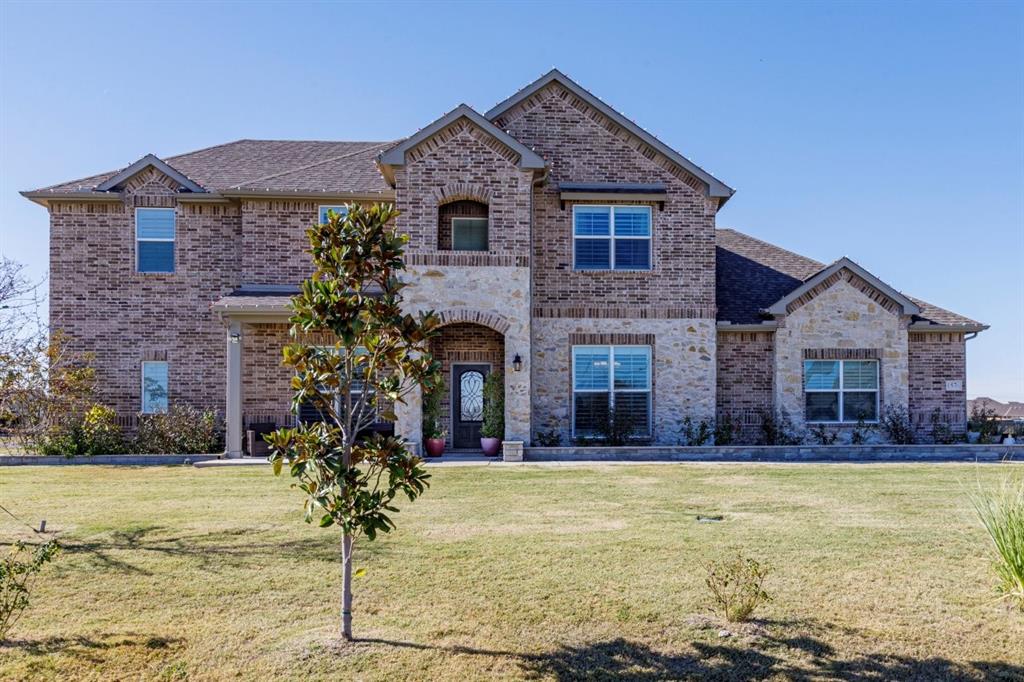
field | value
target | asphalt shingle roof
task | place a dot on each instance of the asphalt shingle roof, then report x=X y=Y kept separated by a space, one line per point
x=271 y=165
x=751 y=275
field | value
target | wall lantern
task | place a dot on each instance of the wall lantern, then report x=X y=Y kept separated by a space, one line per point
x=517 y=363
x=236 y=337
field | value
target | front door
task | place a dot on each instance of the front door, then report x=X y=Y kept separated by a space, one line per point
x=468 y=404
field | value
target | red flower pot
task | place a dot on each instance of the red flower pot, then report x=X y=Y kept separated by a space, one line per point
x=490 y=446
x=435 y=447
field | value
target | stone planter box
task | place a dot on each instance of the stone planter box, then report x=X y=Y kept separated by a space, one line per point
x=782 y=453
x=124 y=460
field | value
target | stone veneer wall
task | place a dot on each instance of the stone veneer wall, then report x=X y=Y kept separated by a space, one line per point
x=745 y=381
x=934 y=359
x=683 y=377
x=840 y=317
x=494 y=297
x=124 y=317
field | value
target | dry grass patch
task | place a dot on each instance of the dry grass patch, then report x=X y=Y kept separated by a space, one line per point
x=515 y=573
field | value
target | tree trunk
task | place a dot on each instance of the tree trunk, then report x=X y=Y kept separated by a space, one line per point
x=346 y=587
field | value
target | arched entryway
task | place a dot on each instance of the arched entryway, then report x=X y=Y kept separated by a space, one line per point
x=468 y=353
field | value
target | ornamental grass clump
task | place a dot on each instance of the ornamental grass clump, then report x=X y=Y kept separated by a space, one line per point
x=737 y=587
x=1001 y=511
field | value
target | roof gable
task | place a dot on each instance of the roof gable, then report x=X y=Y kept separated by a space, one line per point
x=885 y=295
x=149 y=161
x=715 y=187
x=397 y=155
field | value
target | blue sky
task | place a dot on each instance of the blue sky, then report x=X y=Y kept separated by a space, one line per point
x=891 y=133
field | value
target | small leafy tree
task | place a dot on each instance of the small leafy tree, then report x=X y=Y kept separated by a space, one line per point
x=378 y=355
x=696 y=434
x=17 y=572
x=493 y=425
x=725 y=431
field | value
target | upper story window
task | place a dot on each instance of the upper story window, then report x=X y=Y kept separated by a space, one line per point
x=611 y=237
x=463 y=226
x=611 y=380
x=840 y=390
x=154 y=239
x=154 y=387
x=469 y=234
x=340 y=210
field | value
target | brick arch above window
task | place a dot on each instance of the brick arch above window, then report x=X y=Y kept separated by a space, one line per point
x=461 y=191
x=498 y=323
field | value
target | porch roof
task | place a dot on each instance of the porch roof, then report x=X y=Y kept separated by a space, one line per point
x=257 y=300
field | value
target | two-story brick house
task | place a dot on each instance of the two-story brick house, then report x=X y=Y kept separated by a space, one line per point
x=561 y=244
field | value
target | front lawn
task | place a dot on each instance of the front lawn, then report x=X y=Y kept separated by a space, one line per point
x=881 y=572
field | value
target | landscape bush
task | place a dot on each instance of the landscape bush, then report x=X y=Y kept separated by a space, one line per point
x=1001 y=511
x=549 y=438
x=895 y=423
x=941 y=432
x=824 y=436
x=736 y=585
x=696 y=434
x=779 y=430
x=181 y=430
x=985 y=422
x=725 y=432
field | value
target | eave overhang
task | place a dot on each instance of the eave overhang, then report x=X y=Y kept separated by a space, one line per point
x=612 y=191
x=716 y=188
x=780 y=307
x=396 y=156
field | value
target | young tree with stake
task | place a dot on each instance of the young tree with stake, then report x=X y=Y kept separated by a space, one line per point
x=376 y=356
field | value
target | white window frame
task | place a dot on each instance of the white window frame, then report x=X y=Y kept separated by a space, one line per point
x=456 y=220
x=611 y=391
x=174 y=254
x=340 y=209
x=611 y=238
x=877 y=390
x=142 y=385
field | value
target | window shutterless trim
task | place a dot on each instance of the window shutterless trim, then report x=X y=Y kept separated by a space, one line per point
x=487 y=232
x=611 y=238
x=142 y=385
x=340 y=209
x=174 y=249
x=841 y=390
x=611 y=390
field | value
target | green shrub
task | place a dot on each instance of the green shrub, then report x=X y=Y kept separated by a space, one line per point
x=941 y=431
x=778 y=431
x=859 y=434
x=433 y=427
x=1001 y=510
x=698 y=434
x=549 y=439
x=737 y=587
x=725 y=432
x=985 y=422
x=895 y=423
x=493 y=425
x=181 y=430
x=822 y=436
x=18 y=570
x=100 y=433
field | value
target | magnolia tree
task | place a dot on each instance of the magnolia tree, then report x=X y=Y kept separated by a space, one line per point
x=373 y=357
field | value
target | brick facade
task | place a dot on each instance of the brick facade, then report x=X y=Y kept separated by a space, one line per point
x=934 y=359
x=124 y=317
x=745 y=381
x=520 y=297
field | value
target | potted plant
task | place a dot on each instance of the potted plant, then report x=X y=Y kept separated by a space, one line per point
x=433 y=430
x=492 y=430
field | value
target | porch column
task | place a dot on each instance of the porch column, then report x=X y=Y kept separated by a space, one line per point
x=409 y=419
x=233 y=403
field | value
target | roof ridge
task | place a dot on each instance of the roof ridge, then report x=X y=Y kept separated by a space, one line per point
x=775 y=246
x=375 y=145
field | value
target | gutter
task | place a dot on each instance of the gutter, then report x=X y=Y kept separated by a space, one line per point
x=44 y=197
x=725 y=326
x=974 y=329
